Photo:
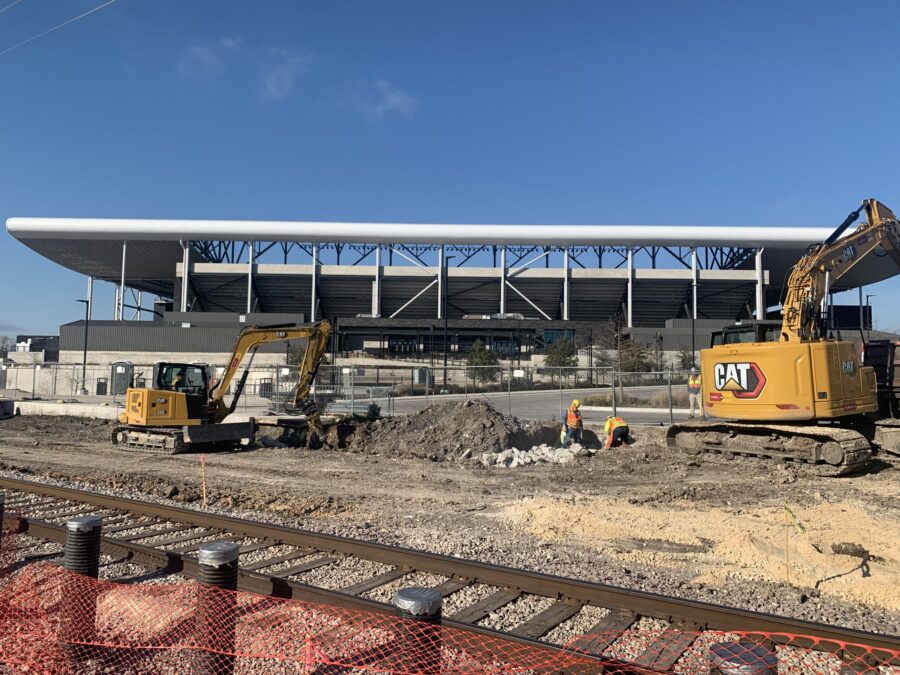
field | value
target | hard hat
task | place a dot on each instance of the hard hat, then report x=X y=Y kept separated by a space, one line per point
x=576 y=402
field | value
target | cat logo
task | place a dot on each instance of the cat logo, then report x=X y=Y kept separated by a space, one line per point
x=743 y=380
x=848 y=367
x=848 y=253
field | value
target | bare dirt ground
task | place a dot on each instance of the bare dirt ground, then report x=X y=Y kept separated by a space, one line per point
x=738 y=532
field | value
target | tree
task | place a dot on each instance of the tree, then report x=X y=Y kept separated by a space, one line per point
x=485 y=362
x=685 y=358
x=560 y=354
x=633 y=358
x=7 y=344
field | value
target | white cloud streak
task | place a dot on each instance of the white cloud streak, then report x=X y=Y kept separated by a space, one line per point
x=282 y=70
x=209 y=58
x=384 y=99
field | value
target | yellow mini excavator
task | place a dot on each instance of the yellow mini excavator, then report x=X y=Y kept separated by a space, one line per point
x=184 y=411
x=788 y=391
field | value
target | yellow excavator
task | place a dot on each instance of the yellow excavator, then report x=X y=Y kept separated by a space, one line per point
x=184 y=411
x=788 y=391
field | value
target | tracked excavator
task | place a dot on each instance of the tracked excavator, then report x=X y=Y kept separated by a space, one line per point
x=790 y=392
x=183 y=411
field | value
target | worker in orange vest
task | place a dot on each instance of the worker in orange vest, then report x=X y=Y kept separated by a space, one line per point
x=574 y=424
x=694 y=386
x=617 y=432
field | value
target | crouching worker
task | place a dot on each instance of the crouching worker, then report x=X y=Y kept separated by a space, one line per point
x=617 y=433
x=574 y=424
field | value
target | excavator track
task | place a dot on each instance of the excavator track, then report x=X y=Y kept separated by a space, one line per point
x=829 y=451
x=160 y=441
x=175 y=440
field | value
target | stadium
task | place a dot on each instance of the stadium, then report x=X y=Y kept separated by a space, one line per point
x=410 y=289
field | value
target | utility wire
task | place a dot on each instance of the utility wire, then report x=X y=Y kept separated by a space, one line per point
x=55 y=28
x=10 y=6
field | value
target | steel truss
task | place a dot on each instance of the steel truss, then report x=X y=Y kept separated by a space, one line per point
x=593 y=257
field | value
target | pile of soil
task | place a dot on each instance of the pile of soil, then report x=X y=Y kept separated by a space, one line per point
x=57 y=429
x=445 y=431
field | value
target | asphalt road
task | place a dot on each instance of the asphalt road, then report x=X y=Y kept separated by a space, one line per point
x=537 y=405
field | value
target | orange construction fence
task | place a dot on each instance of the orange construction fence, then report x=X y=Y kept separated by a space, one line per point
x=55 y=621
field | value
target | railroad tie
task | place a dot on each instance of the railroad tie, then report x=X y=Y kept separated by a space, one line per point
x=374 y=582
x=168 y=529
x=450 y=586
x=122 y=526
x=605 y=632
x=178 y=539
x=268 y=562
x=479 y=610
x=665 y=649
x=545 y=621
x=307 y=566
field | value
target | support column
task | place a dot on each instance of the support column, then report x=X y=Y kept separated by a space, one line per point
x=694 y=283
x=376 y=284
x=121 y=310
x=565 y=308
x=116 y=303
x=630 y=287
x=440 y=283
x=315 y=276
x=185 y=273
x=503 y=281
x=760 y=286
x=90 y=298
x=140 y=304
x=862 y=319
x=250 y=252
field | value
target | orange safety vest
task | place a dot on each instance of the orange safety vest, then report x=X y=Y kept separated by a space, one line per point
x=573 y=417
x=613 y=424
x=694 y=384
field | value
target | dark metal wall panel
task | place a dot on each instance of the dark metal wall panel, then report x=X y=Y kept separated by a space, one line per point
x=148 y=336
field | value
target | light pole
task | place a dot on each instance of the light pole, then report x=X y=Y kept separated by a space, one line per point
x=87 y=308
x=869 y=305
x=445 y=286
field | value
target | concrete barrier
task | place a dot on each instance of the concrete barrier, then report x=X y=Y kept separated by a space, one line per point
x=104 y=412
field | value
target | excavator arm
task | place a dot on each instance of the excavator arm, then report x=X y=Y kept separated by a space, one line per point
x=825 y=263
x=250 y=340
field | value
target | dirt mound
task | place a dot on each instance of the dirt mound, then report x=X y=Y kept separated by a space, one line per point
x=445 y=431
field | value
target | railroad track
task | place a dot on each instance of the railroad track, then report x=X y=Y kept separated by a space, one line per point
x=293 y=563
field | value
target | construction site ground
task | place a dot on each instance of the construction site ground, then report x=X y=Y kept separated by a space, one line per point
x=739 y=532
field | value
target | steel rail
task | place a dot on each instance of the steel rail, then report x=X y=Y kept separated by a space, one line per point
x=691 y=615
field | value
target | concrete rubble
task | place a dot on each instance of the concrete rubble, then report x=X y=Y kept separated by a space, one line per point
x=538 y=454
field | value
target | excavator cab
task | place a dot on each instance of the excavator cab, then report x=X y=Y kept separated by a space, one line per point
x=743 y=333
x=188 y=378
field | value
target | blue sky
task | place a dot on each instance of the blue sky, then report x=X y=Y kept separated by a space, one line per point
x=762 y=113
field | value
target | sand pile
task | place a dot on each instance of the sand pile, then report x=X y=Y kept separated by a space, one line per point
x=839 y=549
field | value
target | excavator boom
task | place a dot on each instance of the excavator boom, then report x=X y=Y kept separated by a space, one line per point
x=250 y=340
x=824 y=264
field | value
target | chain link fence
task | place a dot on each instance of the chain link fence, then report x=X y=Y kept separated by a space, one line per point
x=527 y=392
